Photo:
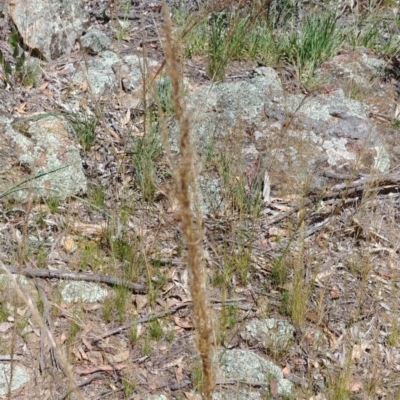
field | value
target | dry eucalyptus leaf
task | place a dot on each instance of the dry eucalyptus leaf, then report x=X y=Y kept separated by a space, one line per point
x=141 y=302
x=273 y=386
x=335 y=292
x=286 y=371
x=117 y=358
x=355 y=386
x=89 y=229
x=179 y=374
x=183 y=323
x=69 y=244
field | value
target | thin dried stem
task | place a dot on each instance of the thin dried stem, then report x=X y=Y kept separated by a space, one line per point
x=190 y=221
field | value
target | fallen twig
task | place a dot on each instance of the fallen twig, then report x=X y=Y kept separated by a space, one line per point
x=87 y=381
x=291 y=377
x=44 y=350
x=243 y=382
x=75 y=276
x=161 y=314
x=8 y=357
x=147 y=318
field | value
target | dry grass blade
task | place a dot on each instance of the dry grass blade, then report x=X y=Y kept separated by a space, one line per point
x=191 y=227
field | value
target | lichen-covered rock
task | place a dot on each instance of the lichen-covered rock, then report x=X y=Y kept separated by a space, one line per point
x=275 y=335
x=357 y=66
x=82 y=291
x=49 y=27
x=12 y=378
x=98 y=73
x=239 y=394
x=295 y=137
x=95 y=41
x=133 y=69
x=244 y=365
x=38 y=159
x=105 y=71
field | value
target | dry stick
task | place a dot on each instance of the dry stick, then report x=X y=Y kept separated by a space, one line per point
x=9 y=357
x=291 y=377
x=38 y=319
x=339 y=193
x=147 y=318
x=390 y=181
x=87 y=381
x=49 y=323
x=161 y=314
x=74 y=276
x=360 y=185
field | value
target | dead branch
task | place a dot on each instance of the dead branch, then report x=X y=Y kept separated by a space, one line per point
x=75 y=276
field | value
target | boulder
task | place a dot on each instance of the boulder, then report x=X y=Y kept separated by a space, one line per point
x=105 y=71
x=245 y=365
x=12 y=377
x=295 y=137
x=98 y=73
x=38 y=158
x=95 y=41
x=49 y=28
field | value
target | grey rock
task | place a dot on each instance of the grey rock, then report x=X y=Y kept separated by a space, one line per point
x=239 y=394
x=99 y=73
x=32 y=72
x=95 y=41
x=18 y=374
x=296 y=136
x=245 y=365
x=209 y=194
x=276 y=335
x=216 y=110
x=133 y=68
x=352 y=67
x=377 y=65
x=6 y=280
x=49 y=27
x=104 y=72
x=82 y=291
x=38 y=159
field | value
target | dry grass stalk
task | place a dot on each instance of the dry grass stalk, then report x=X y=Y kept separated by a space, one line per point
x=66 y=367
x=191 y=224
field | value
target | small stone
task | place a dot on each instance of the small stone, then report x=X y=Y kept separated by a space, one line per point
x=82 y=291
x=95 y=41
